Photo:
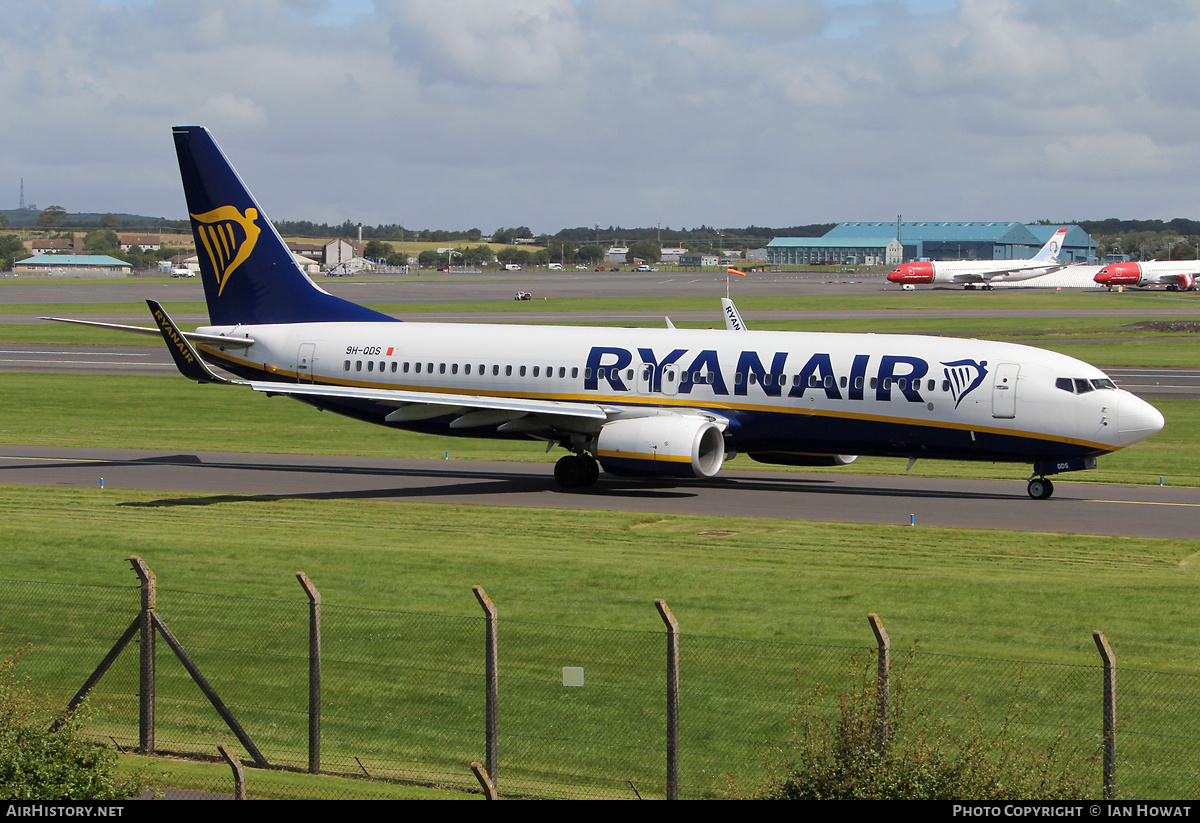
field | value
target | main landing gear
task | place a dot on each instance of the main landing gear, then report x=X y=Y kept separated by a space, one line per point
x=1040 y=488
x=576 y=470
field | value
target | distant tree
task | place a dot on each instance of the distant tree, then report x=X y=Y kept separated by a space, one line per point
x=3 y=221
x=428 y=259
x=397 y=259
x=108 y=220
x=377 y=249
x=102 y=241
x=49 y=217
x=648 y=250
x=590 y=255
x=479 y=255
x=560 y=251
x=11 y=250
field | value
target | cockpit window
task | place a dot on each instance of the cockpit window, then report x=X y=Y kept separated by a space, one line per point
x=1066 y=384
x=1082 y=386
x=1104 y=383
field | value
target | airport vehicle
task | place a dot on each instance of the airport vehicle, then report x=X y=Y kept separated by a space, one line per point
x=650 y=402
x=970 y=273
x=1176 y=275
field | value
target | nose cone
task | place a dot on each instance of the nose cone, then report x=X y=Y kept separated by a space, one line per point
x=912 y=273
x=1118 y=274
x=1137 y=419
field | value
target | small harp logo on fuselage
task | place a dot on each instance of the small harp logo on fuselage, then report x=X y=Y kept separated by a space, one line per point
x=228 y=237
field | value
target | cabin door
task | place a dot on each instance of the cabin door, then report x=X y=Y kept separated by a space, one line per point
x=1004 y=390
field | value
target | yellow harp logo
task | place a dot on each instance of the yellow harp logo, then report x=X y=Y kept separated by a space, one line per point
x=228 y=236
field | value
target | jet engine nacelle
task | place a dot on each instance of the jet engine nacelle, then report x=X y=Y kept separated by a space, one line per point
x=667 y=445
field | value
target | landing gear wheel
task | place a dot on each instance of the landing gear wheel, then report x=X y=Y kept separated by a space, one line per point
x=1040 y=488
x=574 y=471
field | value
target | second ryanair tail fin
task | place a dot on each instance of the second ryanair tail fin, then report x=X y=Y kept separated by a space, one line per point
x=250 y=276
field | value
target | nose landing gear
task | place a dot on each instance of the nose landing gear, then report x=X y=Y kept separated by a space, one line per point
x=1040 y=488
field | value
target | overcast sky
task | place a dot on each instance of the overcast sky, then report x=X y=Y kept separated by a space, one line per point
x=561 y=113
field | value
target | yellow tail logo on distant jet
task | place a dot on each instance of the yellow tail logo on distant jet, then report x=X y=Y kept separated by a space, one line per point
x=228 y=237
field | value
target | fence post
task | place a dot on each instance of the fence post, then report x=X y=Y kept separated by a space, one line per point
x=491 y=677
x=884 y=644
x=314 y=672
x=672 y=698
x=1110 y=714
x=146 y=655
x=239 y=772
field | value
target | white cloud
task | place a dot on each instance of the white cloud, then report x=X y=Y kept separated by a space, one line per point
x=551 y=113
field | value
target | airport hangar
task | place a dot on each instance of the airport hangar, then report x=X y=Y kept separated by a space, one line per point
x=877 y=243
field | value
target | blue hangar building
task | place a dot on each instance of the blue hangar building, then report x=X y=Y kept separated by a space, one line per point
x=874 y=243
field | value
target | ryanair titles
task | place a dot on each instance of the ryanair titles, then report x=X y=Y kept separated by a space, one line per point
x=683 y=370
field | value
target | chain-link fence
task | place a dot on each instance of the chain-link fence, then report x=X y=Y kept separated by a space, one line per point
x=390 y=697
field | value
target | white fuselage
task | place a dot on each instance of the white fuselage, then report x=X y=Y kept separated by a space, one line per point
x=780 y=391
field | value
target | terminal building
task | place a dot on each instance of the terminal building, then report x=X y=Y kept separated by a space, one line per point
x=879 y=243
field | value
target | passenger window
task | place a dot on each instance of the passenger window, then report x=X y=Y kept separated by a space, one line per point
x=844 y=381
x=562 y=371
x=752 y=377
x=441 y=368
x=454 y=368
x=858 y=383
x=347 y=365
x=382 y=366
x=370 y=365
x=587 y=373
x=495 y=371
x=813 y=380
x=902 y=384
x=931 y=385
x=508 y=371
x=467 y=369
x=418 y=368
x=874 y=382
x=945 y=385
x=737 y=378
x=394 y=365
x=536 y=369
x=358 y=365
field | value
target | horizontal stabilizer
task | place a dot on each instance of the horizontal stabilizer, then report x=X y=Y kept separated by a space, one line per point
x=212 y=339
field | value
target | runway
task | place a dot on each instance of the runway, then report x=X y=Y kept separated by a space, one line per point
x=1083 y=508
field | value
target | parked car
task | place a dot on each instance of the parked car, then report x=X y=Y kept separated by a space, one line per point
x=523 y=295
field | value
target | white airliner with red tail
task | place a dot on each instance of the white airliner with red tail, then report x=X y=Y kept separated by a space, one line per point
x=969 y=273
x=662 y=402
x=1176 y=275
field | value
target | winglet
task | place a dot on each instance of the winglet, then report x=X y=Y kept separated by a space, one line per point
x=733 y=319
x=187 y=360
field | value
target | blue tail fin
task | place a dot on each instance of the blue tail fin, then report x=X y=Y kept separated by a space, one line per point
x=249 y=274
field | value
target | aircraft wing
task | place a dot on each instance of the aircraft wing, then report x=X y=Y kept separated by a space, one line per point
x=410 y=405
x=214 y=339
x=1038 y=271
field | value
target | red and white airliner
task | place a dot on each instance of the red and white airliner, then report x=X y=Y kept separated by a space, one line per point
x=971 y=272
x=1176 y=275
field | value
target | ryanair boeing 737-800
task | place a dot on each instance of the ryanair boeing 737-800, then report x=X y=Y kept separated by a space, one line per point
x=650 y=402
